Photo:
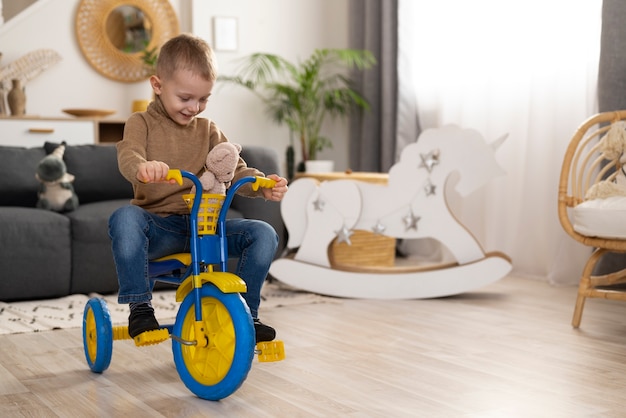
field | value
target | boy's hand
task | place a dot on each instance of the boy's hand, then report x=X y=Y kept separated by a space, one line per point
x=153 y=172
x=277 y=192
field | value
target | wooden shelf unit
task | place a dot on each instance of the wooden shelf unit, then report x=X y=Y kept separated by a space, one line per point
x=32 y=131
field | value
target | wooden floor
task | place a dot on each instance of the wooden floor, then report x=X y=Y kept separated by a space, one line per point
x=507 y=350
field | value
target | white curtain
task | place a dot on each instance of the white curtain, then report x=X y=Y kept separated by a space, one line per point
x=526 y=68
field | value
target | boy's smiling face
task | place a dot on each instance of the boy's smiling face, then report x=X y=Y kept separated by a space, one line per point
x=184 y=94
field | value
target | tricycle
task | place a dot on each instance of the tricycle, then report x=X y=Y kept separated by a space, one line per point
x=213 y=339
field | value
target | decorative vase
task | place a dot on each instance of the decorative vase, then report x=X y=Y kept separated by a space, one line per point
x=17 y=98
x=3 y=101
x=140 y=105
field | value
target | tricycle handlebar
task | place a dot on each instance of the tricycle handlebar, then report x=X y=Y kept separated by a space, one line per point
x=220 y=226
x=176 y=175
x=257 y=181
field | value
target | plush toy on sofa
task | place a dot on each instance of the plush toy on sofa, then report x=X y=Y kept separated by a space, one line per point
x=613 y=147
x=56 y=191
x=221 y=163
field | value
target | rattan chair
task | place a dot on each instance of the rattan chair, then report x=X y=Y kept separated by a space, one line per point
x=583 y=166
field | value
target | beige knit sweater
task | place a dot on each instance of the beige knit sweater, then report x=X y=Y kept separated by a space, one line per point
x=153 y=136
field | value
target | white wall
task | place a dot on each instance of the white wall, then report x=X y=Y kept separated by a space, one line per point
x=290 y=28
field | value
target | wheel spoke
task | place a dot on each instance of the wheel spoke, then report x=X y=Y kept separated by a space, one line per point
x=213 y=362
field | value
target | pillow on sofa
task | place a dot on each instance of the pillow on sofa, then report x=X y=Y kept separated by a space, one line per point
x=96 y=172
x=18 y=185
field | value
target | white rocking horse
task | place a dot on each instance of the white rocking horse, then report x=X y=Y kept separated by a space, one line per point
x=365 y=218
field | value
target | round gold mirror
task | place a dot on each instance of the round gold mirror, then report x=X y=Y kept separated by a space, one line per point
x=128 y=29
x=114 y=35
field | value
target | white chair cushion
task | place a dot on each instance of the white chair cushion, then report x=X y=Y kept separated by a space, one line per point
x=604 y=218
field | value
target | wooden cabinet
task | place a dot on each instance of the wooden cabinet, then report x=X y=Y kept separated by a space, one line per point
x=109 y=130
x=34 y=131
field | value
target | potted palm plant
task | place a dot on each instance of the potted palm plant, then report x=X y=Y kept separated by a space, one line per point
x=302 y=95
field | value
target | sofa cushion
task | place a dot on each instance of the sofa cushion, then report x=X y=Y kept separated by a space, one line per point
x=36 y=254
x=18 y=185
x=262 y=158
x=95 y=168
x=93 y=269
x=266 y=160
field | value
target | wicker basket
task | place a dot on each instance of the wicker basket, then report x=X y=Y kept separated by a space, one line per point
x=365 y=249
x=208 y=212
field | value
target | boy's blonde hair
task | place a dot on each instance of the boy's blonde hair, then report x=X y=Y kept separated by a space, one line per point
x=187 y=52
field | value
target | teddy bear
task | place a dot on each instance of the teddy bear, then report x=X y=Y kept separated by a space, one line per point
x=220 y=166
x=56 y=191
x=612 y=146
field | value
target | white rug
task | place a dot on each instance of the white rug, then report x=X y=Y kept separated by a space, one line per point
x=67 y=312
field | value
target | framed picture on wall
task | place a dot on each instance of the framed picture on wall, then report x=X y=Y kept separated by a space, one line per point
x=225 y=33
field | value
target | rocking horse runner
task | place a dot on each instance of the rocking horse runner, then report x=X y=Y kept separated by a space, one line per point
x=412 y=205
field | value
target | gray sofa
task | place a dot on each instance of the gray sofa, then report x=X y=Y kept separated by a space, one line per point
x=44 y=254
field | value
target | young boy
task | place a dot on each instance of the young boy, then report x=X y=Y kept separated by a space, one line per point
x=156 y=223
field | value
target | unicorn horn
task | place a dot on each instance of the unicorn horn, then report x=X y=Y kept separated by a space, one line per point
x=496 y=144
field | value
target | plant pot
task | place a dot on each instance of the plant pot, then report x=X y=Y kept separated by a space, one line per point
x=319 y=166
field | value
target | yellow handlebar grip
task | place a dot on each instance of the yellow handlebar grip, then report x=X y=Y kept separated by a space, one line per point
x=175 y=174
x=263 y=182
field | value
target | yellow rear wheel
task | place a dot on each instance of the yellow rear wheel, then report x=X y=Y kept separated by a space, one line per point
x=97 y=335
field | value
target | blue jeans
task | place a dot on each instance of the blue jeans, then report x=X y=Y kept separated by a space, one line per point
x=138 y=236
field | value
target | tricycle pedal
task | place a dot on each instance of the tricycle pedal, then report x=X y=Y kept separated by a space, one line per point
x=270 y=351
x=152 y=337
x=121 y=333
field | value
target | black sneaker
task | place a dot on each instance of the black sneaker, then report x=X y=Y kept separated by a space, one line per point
x=263 y=332
x=141 y=319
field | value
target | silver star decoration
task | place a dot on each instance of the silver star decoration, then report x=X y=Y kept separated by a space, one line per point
x=318 y=204
x=343 y=235
x=410 y=221
x=429 y=188
x=430 y=160
x=379 y=228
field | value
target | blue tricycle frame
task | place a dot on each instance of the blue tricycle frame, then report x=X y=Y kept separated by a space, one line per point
x=213 y=339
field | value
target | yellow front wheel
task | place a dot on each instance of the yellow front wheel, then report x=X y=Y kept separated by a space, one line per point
x=213 y=357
